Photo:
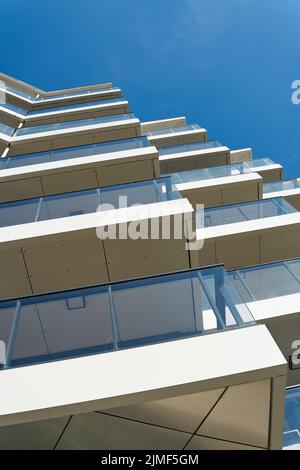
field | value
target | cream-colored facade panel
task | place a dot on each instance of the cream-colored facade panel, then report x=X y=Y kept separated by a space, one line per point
x=95 y=431
x=125 y=173
x=183 y=413
x=41 y=435
x=65 y=262
x=13 y=274
x=241 y=415
x=208 y=443
x=69 y=181
x=144 y=257
x=20 y=189
x=242 y=250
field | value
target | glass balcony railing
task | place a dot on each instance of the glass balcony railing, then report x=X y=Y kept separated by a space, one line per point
x=73 y=152
x=71 y=124
x=257 y=162
x=208 y=173
x=172 y=130
x=267 y=281
x=86 y=201
x=233 y=213
x=76 y=93
x=214 y=172
x=281 y=185
x=120 y=316
x=6 y=130
x=188 y=147
x=21 y=94
x=14 y=108
x=69 y=107
x=291 y=436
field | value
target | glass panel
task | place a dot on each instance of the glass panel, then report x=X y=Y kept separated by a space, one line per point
x=74 y=152
x=74 y=106
x=25 y=160
x=69 y=204
x=57 y=95
x=144 y=192
x=281 y=185
x=172 y=130
x=7 y=312
x=257 y=162
x=231 y=308
x=268 y=281
x=70 y=124
x=76 y=93
x=294 y=267
x=214 y=172
x=6 y=130
x=237 y=279
x=188 y=147
x=86 y=201
x=291 y=437
x=22 y=94
x=160 y=311
x=20 y=212
x=247 y=211
x=123 y=315
x=62 y=325
x=14 y=108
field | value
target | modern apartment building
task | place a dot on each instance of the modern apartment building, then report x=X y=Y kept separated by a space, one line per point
x=150 y=281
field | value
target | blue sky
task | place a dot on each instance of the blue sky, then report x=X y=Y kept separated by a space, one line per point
x=225 y=64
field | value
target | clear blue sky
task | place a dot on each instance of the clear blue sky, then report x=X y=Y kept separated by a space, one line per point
x=225 y=64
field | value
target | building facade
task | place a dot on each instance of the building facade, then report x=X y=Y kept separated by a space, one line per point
x=150 y=281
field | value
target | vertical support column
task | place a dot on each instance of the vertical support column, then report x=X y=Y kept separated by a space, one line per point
x=220 y=322
x=168 y=188
x=218 y=273
x=159 y=195
x=38 y=210
x=156 y=168
x=277 y=406
x=12 y=335
x=113 y=319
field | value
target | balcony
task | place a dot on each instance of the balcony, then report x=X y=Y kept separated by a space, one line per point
x=53 y=242
x=249 y=233
x=84 y=202
x=193 y=156
x=157 y=322
x=177 y=135
x=75 y=168
x=5 y=136
x=289 y=189
x=219 y=185
x=265 y=167
x=24 y=99
x=13 y=115
x=109 y=317
x=71 y=133
x=272 y=294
